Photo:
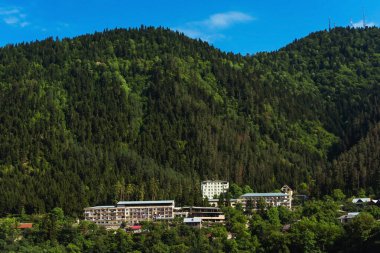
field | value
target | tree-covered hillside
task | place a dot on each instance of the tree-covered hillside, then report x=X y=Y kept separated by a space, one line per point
x=147 y=113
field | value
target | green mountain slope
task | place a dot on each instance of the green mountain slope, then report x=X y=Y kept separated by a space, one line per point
x=147 y=113
x=359 y=167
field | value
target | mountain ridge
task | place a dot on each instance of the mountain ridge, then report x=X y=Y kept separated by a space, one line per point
x=147 y=113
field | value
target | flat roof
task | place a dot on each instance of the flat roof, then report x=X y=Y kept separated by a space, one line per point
x=191 y=220
x=214 y=181
x=202 y=207
x=265 y=194
x=349 y=215
x=94 y=207
x=148 y=202
x=216 y=200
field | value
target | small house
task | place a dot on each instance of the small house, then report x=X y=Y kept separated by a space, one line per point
x=193 y=222
x=349 y=216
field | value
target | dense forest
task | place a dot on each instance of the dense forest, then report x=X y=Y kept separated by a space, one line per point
x=147 y=113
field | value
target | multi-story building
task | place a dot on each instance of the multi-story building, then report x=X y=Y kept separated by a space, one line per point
x=271 y=199
x=130 y=212
x=211 y=188
x=283 y=198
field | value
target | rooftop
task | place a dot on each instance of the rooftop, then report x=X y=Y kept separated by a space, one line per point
x=265 y=194
x=149 y=202
x=214 y=181
x=192 y=220
x=99 y=207
x=202 y=207
x=349 y=215
x=25 y=225
x=360 y=200
x=216 y=200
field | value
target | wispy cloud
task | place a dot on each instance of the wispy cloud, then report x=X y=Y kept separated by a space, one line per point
x=62 y=26
x=5 y=11
x=13 y=16
x=11 y=20
x=360 y=24
x=23 y=24
x=224 y=20
x=206 y=36
x=210 y=29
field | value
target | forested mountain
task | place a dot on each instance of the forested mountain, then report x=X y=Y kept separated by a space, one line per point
x=147 y=113
x=360 y=166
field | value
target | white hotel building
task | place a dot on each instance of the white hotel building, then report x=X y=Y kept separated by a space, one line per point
x=210 y=188
x=130 y=212
x=274 y=199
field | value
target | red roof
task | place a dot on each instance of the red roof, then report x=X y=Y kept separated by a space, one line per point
x=135 y=227
x=25 y=225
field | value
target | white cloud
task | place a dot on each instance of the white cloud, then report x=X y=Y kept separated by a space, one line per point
x=62 y=26
x=11 y=20
x=224 y=20
x=210 y=28
x=13 y=17
x=194 y=33
x=190 y=32
x=360 y=24
x=23 y=24
x=4 y=11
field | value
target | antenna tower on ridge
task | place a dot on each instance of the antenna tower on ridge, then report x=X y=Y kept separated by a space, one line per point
x=364 y=24
x=329 y=24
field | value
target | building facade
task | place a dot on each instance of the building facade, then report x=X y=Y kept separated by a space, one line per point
x=211 y=188
x=193 y=222
x=130 y=212
x=251 y=200
x=207 y=214
x=231 y=202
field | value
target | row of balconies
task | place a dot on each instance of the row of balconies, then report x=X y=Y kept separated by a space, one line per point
x=126 y=214
x=129 y=209
x=112 y=217
x=121 y=219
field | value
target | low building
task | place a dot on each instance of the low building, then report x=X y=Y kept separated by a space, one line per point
x=130 y=212
x=348 y=217
x=211 y=188
x=193 y=222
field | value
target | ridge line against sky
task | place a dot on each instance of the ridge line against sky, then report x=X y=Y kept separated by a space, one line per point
x=239 y=26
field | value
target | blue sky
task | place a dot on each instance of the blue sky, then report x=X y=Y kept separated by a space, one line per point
x=240 y=26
